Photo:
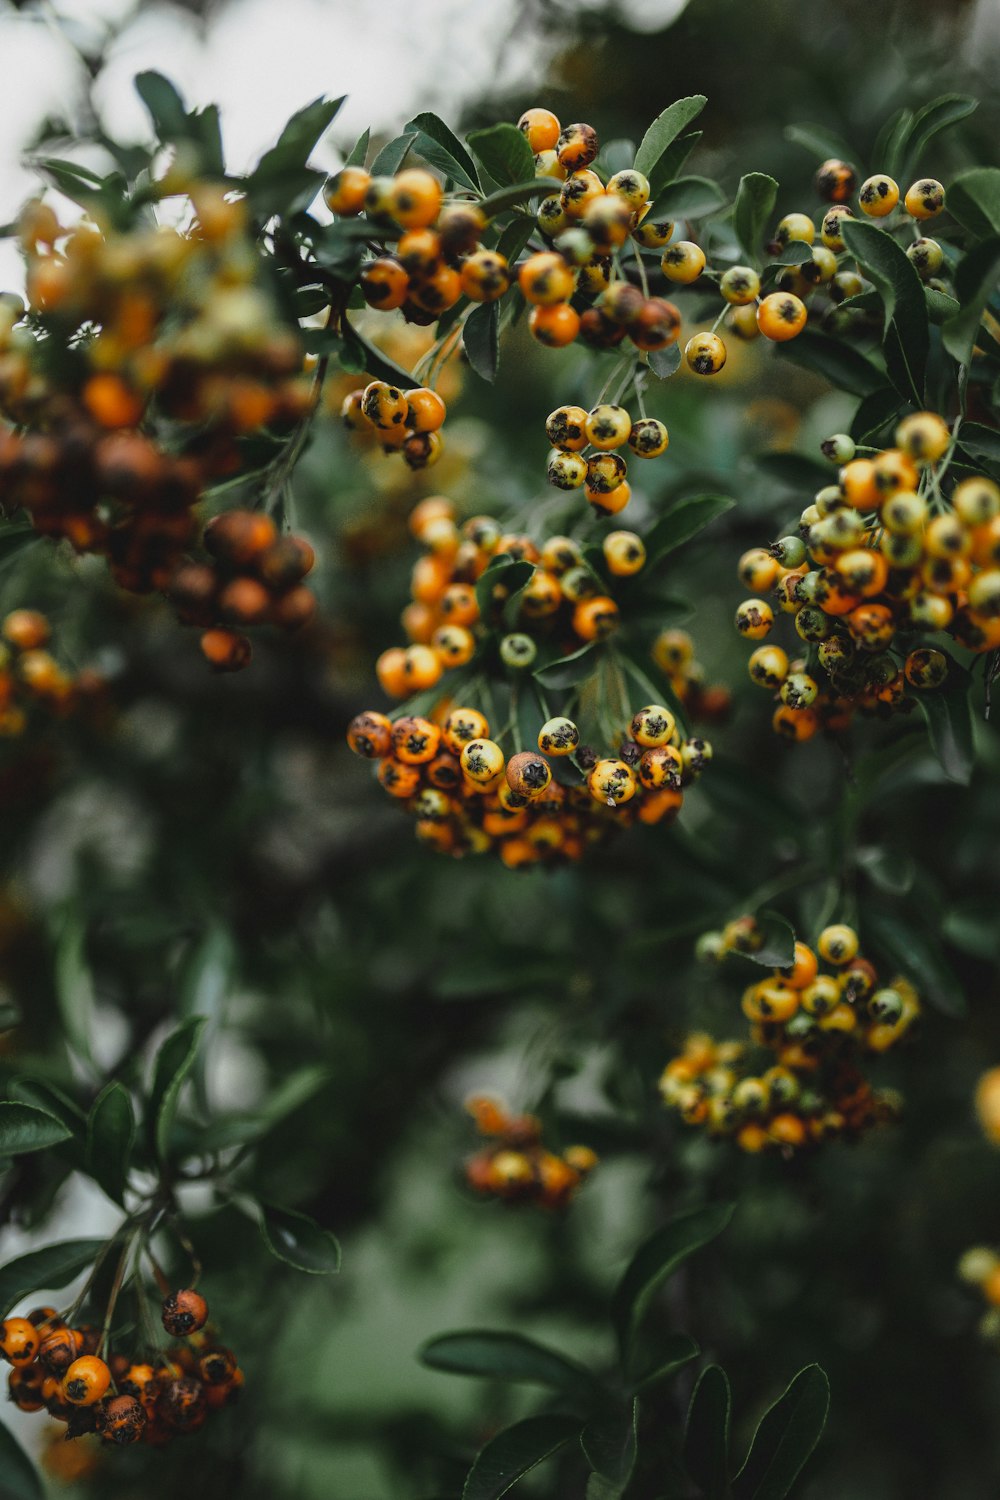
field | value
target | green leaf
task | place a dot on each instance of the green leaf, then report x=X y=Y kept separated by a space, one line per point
x=299 y=1241
x=75 y=986
x=514 y=1452
x=670 y=163
x=976 y=278
x=940 y=306
x=819 y=141
x=688 y=198
x=566 y=671
x=890 y=869
x=755 y=200
x=281 y=182
x=163 y=103
x=481 y=338
x=508 y=1356
x=10 y=1016
x=20 y=1477
x=684 y=521
x=438 y=144
x=974 y=200
x=928 y=122
x=609 y=1444
x=665 y=129
x=778 y=948
x=504 y=151
x=174 y=1062
x=902 y=294
x=207 y=973
x=42 y=1094
x=785 y=1439
x=657 y=1259
x=980 y=441
x=392 y=155
x=841 y=364
x=892 y=139
x=241 y=1130
x=363 y=357
x=13 y=541
x=911 y=945
x=356 y=156
x=742 y=793
x=512 y=572
x=971 y=926
x=948 y=714
x=45 y=1270
x=676 y=1351
x=77 y=182
x=515 y=236
x=24 y=1128
x=876 y=412
x=511 y=197
x=665 y=362
x=110 y=1138
x=706 y=1436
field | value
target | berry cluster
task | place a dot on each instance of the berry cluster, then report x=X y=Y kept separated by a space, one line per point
x=59 y=1368
x=673 y=653
x=882 y=560
x=583 y=445
x=979 y=1267
x=401 y=421
x=518 y=1168
x=131 y=333
x=563 y=602
x=467 y=797
x=31 y=677
x=255 y=577
x=817 y=1026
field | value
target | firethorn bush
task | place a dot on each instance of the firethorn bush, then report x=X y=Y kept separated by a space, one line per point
x=653 y=1047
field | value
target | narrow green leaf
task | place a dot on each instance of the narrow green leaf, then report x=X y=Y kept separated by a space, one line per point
x=684 y=521
x=841 y=364
x=207 y=973
x=948 y=714
x=42 y=1094
x=174 y=1062
x=512 y=573
x=609 y=1444
x=163 y=103
x=514 y=236
x=928 y=122
x=819 y=141
x=784 y=1441
x=891 y=142
x=974 y=200
x=670 y=163
x=778 y=948
x=657 y=1259
x=359 y=151
x=890 y=869
x=75 y=986
x=24 y=1128
x=366 y=358
x=110 y=1138
x=665 y=362
x=902 y=294
x=299 y=1241
x=976 y=279
x=877 y=412
x=980 y=441
x=45 y=1270
x=688 y=198
x=392 y=155
x=300 y=136
x=566 y=671
x=451 y=156
x=755 y=200
x=481 y=338
x=971 y=926
x=706 y=1436
x=676 y=1351
x=911 y=945
x=511 y=197
x=20 y=1477
x=514 y=1452
x=289 y=1096
x=504 y=151
x=508 y=1356
x=665 y=129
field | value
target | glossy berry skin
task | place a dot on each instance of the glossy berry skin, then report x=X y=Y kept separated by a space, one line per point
x=683 y=262
x=653 y=234
x=768 y=666
x=425 y=410
x=184 y=1312
x=781 y=317
x=518 y=651
x=607 y=427
x=579 y=192
x=558 y=736
x=415 y=741
x=652 y=725
x=384 y=283
x=528 y=774
x=612 y=782
x=567 y=471
x=370 y=735
x=835 y=181
x=596 y=618
x=740 y=285
x=829 y=231
x=648 y=438
x=344 y=192
x=121 y=1420
x=624 y=553
x=657 y=326
x=566 y=428
x=754 y=619
x=795 y=228
x=485 y=276
x=838 y=944
x=632 y=187
x=482 y=760
x=384 y=405
x=555 y=326
x=926 y=668
x=415 y=199
x=927 y=256
x=545 y=279
x=924 y=199
x=541 y=129
x=661 y=766
x=605 y=472
x=86 y=1381
x=19 y=1341
x=705 y=353
x=878 y=196
x=577 y=146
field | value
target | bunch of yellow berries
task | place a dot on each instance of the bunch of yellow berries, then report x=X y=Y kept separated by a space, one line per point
x=583 y=451
x=883 y=559
x=518 y=1168
x=817 y=1024
x=30 y=676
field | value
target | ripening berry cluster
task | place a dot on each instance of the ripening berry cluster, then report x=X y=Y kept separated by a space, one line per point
x=30 y=676
x=673 y=653
x=817 y=1024
x=583 y=445
x=59 y=1369
x=401 y=421
x=882 y=560
x=564 y=602
x=254 y=578
x=467 y=797
x=518 y=1168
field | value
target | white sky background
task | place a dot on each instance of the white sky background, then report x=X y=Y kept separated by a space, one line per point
x=260 y=61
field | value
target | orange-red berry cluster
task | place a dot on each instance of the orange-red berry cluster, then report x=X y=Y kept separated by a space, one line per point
x=883 y=560
x=254 y=578
x=518 y=1168
x=467 y=797
x=401 y=421
x=817 y=1024
x=59 y=1369
x=30 y=676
